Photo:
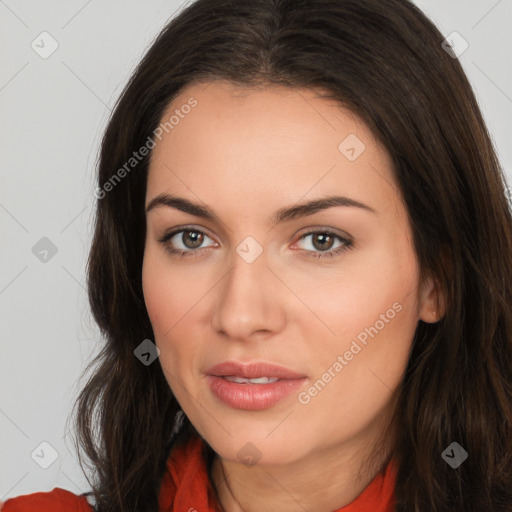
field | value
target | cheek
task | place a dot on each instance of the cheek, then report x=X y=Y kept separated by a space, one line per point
x=165 y=307
x=165 y=298
x=366 y=288
x=173 y=301
x=168 y=294
x=154 y=289
x=371 y=311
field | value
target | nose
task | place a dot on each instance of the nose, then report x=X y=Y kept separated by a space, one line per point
x=249 y=301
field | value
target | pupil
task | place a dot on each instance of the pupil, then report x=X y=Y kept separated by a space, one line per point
x=196 y=238
x=323 y=239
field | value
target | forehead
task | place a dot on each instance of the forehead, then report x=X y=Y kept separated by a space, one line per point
x=269 y=140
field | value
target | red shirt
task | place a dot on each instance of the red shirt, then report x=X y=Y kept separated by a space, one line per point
x=187 y=488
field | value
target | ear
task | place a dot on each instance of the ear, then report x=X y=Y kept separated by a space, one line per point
x=432 y=302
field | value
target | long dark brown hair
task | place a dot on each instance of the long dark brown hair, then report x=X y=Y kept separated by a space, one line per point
x=384 y=60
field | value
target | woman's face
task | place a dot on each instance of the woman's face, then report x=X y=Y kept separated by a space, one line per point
x=330 y=293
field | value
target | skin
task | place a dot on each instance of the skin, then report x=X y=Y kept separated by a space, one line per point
x=247 y=153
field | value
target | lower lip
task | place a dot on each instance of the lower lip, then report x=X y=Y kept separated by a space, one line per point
x=252 y=397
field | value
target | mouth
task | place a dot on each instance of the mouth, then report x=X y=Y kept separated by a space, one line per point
x=242 y=380
x=253 y=386
x=254 y=370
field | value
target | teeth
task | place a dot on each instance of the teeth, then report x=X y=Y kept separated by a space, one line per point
x=259 y=380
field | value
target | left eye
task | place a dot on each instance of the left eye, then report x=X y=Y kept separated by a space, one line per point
x=321 y=239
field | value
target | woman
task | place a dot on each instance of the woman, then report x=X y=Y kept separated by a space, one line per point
x=301 y=269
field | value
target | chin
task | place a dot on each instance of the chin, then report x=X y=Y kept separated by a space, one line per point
x=250 y=446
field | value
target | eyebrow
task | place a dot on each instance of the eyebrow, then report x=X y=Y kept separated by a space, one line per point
x=281 y=215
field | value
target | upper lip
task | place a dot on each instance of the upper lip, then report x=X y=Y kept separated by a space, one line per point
x=252 y=370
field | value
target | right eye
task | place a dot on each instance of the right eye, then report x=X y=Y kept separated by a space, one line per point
x=190 y=239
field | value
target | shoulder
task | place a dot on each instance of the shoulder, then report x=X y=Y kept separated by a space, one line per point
x=57 y=500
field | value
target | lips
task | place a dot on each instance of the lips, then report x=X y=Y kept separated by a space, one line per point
x=253 y=371
x=252 y=386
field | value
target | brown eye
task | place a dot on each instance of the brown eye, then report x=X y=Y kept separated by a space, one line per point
x=192 y=239
x=322 y=243
x=185 y=242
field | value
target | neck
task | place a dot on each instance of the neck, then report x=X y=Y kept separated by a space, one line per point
x=325 y=480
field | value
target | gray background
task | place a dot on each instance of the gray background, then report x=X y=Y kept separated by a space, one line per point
x=53 y=112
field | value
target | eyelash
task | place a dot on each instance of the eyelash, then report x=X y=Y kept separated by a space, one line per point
x=347 y=244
